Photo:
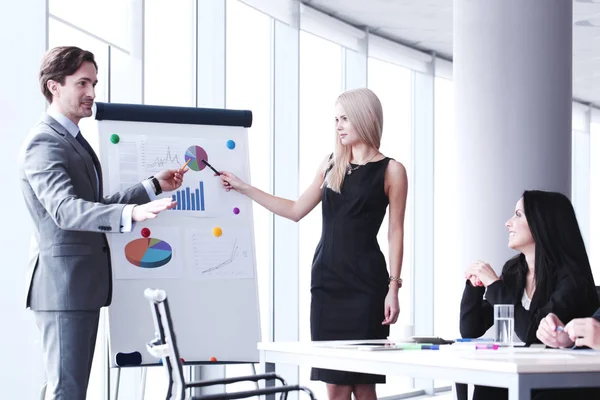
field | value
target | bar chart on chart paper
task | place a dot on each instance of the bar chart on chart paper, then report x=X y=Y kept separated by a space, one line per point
x=190 y=199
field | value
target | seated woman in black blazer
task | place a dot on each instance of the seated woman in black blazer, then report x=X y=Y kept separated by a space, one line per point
x=551 y=274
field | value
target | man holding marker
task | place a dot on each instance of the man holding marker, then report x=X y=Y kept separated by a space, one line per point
x=70 y=275
x=577 y=333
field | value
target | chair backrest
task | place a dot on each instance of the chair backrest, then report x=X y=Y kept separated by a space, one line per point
x=164 y=345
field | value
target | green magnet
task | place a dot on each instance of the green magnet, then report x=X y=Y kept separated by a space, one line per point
x=114 y=138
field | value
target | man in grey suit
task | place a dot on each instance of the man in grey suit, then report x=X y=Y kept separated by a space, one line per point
x=70 y=275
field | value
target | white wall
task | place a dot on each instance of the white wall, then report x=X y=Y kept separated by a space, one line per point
x=23 y=42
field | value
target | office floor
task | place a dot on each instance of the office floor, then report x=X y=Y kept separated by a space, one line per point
x=449 y=395
x=440 y=396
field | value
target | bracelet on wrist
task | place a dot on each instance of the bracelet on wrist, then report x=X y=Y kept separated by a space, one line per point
x=395 y=279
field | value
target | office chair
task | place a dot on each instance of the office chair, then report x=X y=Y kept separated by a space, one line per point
x=164 y=346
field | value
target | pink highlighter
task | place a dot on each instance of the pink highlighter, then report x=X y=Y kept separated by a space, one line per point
x=486 y=347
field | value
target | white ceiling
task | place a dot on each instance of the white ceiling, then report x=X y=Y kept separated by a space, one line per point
x=427 y=25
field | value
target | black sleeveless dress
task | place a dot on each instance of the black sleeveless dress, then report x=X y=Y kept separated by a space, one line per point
x=349 y=275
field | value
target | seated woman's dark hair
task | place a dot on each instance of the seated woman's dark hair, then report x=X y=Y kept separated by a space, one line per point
x=559 y=246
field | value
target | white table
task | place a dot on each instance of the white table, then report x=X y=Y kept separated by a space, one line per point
x=518 y=369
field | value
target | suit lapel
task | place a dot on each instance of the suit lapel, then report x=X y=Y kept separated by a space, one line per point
x=100 y=183
x=87 y=158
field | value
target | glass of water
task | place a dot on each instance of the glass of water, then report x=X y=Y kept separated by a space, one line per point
x=504 y=319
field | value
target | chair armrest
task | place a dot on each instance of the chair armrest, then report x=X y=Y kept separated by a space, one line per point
x=258 y=392
x=226 y=381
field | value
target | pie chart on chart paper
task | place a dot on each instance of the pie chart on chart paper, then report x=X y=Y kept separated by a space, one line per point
x=196 y=154
x=148 y=252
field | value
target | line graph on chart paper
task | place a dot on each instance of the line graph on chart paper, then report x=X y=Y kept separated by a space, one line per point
x=235 y=251
x=156 y=157
x=220 y=258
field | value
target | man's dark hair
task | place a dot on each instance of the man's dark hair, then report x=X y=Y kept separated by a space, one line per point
x=60 y=62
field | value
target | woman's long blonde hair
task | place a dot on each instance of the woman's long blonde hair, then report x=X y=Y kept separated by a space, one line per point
x=363 y=109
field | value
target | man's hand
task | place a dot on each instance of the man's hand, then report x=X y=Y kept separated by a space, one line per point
x=548 y=334
x=584 y=332
x=171 y=179
x=151 y=210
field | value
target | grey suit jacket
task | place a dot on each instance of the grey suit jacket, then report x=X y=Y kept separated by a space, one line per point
x=69 y=267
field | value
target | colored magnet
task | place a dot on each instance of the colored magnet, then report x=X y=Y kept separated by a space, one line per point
x=236 y=210
x=146 y=232
x=114 y=138
x=217 y=231
x=230 y=144
x=213 y=359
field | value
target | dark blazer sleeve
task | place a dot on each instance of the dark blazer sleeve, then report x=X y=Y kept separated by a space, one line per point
x=597 y=314
x=476 y=314
x=570 y=299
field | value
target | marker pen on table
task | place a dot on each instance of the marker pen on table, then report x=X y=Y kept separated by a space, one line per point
x=487 y=347
x=419 y=347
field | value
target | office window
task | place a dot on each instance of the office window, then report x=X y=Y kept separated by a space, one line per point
x=446 y=306
x=248 y=77
x=580 y=181
x=169 y=53
x=594 y=222
x=320 y=85
x=94 y=18
x=125 y=83
x=60 y=34
x=392 y=84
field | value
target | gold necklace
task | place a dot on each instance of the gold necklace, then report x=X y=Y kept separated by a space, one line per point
x=352 y=169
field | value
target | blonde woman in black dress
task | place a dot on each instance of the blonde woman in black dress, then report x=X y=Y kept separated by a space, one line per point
x=353 y=294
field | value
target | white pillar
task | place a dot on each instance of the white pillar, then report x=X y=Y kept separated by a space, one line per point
x=513 y=94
